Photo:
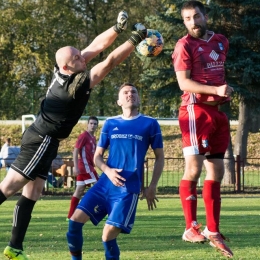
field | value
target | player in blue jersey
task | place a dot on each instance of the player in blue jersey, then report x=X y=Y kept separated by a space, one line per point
x=128 y=137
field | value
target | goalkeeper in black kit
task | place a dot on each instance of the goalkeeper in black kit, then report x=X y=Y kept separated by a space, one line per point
x=65 y=101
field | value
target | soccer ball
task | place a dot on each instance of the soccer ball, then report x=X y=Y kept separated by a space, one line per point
x=152 y=45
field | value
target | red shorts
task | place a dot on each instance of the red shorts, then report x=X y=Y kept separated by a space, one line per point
x=205 y=130
x=87 y=178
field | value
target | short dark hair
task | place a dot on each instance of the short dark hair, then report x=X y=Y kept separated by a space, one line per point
x=126 y=84
x=193 y=5
x=93 y=118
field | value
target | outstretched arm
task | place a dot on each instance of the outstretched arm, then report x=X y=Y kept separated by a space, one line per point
x=105 y=39
x=150 y=192
x=98 y=72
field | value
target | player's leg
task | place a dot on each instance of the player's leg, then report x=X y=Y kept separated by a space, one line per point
x=211 y=192
x=22 y=217
x=11 y=184
x=90 y=207
x=109 y=236
x=192 y=124
x=33 y=163
x=212 y=201
x=188 y=196
x=121 y=216
x=74 y=234
x=76 y=198
x=211 y=188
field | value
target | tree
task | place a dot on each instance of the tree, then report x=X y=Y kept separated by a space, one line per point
x=30 y=36
x=239 y=20
x=32 y=31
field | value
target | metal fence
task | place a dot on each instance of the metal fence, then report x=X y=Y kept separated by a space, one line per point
x=246 y=176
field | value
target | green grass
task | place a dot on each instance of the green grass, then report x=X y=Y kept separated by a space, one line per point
x=156 y=234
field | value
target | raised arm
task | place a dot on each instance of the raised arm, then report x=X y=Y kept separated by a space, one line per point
x=98 y=72
x=105 y=39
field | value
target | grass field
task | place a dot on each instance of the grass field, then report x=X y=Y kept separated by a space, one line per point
x=156 y=234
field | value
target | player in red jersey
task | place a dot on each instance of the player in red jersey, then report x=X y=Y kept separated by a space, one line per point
x=198 y=60
x=84 y=168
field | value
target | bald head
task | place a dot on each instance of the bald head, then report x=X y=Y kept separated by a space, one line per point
x=70 y=60
x=64 y=55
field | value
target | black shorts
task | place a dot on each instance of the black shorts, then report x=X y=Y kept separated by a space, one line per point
x=36 y=156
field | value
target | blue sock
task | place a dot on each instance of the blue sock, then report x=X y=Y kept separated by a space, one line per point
x=111 y=250
x=75 y=239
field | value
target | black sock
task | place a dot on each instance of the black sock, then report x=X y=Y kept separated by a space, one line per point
x=21 y=220
x=2 y=197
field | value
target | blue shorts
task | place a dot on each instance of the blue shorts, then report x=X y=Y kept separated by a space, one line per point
x=106 y=198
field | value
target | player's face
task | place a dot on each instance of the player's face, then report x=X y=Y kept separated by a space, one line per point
x=92 y=125
x=77 y=62
x=195 y=22
x=128 y=97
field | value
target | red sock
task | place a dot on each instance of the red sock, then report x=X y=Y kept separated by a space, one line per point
x=73 y=204
x=188 y=195
x=212 y=202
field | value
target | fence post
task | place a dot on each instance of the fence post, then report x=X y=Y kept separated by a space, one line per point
x=238 y=173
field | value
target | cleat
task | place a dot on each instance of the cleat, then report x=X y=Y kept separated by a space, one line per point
x=193 y=234
x=216 y=240
x=15 y=254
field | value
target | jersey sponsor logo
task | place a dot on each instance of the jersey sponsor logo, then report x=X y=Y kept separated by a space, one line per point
x=215 y=64
x=213 y=55
x=200 y=49
x=126 y=136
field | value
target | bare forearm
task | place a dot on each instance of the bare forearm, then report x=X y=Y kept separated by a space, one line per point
x=157 y=171
x=120 y=54
x=192 y=86
x=100 y=163
x=75 y=158
x=100 y=43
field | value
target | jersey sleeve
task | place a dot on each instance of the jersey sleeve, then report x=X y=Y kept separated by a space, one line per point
x=181 y=57
x=156 y=136
x=81 y=141
x=104 y=136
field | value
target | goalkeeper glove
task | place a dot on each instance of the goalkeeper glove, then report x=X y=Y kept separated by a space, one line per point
x=138 y=34
x=121 y=24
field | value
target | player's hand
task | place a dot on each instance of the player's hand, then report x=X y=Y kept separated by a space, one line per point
x=140 y=29
x=75 y=172
x=115 y=177
x=224 y=90
x=150 y=195
x=121 y=24
x=139 y=33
